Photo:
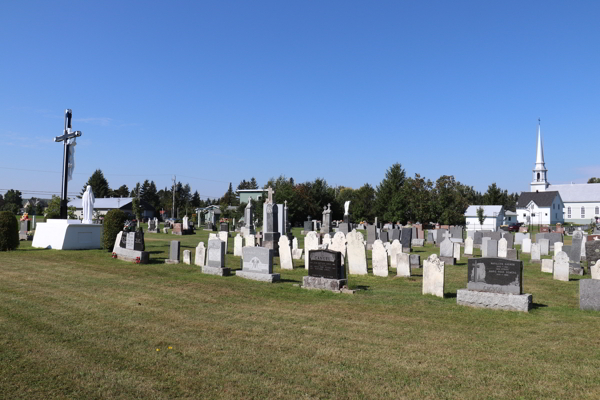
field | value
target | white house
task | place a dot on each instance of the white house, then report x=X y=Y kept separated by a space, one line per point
x=581 y=200
x=510 y=218
x=494 y=217
x=540 y=208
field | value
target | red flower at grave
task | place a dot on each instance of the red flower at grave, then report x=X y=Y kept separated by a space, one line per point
x=137 y=260
x=114 y=255
x=25 y=217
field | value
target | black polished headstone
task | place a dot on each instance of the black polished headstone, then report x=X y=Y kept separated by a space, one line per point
x=495 y=275
x=132 y=241
x=326 y=264
x=406 y=238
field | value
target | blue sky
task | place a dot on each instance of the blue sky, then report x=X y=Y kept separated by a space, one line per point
x=217 y=92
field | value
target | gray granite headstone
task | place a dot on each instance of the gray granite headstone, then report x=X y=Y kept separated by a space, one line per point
x=395 y=234
x=575 y=253
x=257 y=260
x=406 y=238
x=174 y=250
x=510 y=240
x=371 y=234
x=492 y=248
x=215 y=253
x=589 y=294
x=383 y=236
x=592 y=251
x=477 y=237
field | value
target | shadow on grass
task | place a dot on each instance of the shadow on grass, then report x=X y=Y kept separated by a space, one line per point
x=535 y=306
x=289 y=280
x=450 y=295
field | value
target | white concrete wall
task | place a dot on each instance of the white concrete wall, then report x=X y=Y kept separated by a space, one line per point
x=489 y=223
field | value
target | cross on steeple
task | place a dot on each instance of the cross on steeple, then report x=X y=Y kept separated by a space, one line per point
x=67 y=134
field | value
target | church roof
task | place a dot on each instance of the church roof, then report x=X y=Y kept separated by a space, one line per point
x=578 y=192
x=542 y=199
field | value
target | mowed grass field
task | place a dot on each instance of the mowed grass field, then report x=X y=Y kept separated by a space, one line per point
x=80 y=325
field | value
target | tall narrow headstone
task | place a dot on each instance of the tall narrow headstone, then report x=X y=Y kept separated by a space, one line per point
x=468 y=246
x=215 y=260
x=433 y=276
x=187 y=257
x=174 y=252
x=357 y=257
x=200 y=254
x=544 y=246
x=561 y=266
x=380 y=259
x=526 y=246
x=502 y=248
x=536 y=254
x=285 y=253
x=395 y=248
x=403 y=264
x=311 y=242
x=238 y=243
x=447 y=250
x=406 y=240
x=558 y=246
x=456 y=252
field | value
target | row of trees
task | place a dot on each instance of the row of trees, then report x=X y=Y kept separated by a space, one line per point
x=396 y=198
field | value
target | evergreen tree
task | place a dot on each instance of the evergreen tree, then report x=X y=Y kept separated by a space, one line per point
x=13 y=201
x=450 y=201
x=593 y=180
x=99 y=185
x=122 y=191
x=196 y=202
x=253 y=184
x=388 y=202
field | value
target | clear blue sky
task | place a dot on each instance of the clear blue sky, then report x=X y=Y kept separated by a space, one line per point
x=221 y=91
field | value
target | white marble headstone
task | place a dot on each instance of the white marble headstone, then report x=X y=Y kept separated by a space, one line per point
x=238 y=243
x=561 y=266
x=526 y=245
x=469 y=246
x=402 y=264
x=285 y=253
x=433 y=276
x=395 y=248
x=502 y=248
x=200 y=254
x=311 y=242
x=357 y=254
x=380 y=259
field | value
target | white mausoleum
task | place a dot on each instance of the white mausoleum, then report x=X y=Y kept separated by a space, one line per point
x=581 y=201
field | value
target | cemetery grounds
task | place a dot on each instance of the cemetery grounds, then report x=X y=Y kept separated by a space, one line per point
x=79 y=324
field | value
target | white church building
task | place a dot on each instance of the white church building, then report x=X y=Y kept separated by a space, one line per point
x=549 y=204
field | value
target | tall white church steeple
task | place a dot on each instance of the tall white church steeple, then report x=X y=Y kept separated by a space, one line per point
x=540 y=173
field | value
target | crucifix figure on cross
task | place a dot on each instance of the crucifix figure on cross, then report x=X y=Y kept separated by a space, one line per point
x=66 y=136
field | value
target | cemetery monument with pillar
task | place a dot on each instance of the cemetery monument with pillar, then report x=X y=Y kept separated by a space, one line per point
x=63 y=233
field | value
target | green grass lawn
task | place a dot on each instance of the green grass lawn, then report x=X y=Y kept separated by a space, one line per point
x=78 y=324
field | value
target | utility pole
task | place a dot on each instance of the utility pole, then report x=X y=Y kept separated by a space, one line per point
x=174 y=180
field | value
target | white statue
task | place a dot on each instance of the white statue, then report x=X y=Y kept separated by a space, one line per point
x=87 y=202
x=346 y=207
x=249 y=205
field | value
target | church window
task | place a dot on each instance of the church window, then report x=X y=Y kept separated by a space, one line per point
x=538 y=176
x=582 y=212
x=597 y=210
x=568 y=212
x=546 y=214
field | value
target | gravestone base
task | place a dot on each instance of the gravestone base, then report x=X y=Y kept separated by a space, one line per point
x=406 y=249
x=131 y=255
x=258 y=276
x=24 y=236
x=496 y=301
x=271 y=241
x=536 y=261
x=167 y=261
x=589 y=294
x=448 y=260
x=576 y=269
x=216 y=271
x=314 y=282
